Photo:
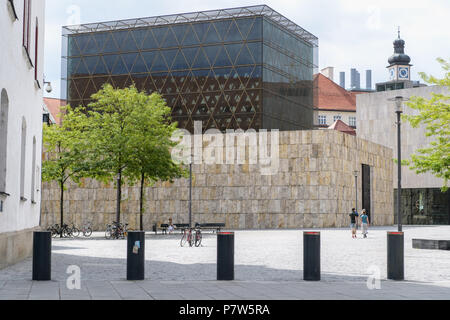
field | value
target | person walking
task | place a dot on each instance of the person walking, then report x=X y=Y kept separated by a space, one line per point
x=353 y=222
x=365 y=223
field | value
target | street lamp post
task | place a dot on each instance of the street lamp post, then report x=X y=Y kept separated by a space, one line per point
x=190 y=192
x=356 y=173
x=399 y=110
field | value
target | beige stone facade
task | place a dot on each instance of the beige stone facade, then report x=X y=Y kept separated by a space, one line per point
x=313 y=187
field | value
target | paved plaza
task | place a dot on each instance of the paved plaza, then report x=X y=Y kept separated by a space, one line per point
x=268 y=266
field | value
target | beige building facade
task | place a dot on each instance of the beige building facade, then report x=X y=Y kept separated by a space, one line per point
x=313 y=186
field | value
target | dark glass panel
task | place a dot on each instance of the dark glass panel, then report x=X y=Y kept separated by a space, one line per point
x=190 y=37
x=119 y=81
x=139 y=36
x=256 y=32
x=120 y=37
x=233 y=33
x=101 y=38
x=149 y=85
x=190 y=55
x=72 y=65
x=212 y=52
x=222 y=75
x=222 y=58
x=201 y=30
x=169 y=56
x=245 y=57
x=81 y=86
x=120 y=67
x=99 y=82
x=169 y=86
x=129 y=59
x=110 y=44
x=170 y=40
x=149 y=42
x=91 y=63
x=233 y=51
x=73 y=91
x=82 y=69
x=73 y=49
x=160 y=34
x=211 y=83
x=222 y=27
x=201 y=77
x=159 y=63
x=179 y=30
x=101 y=67
x=159 y=79
x=255 y=49
x=110 y=61
x=244 y=26
x=139 y=65
x=149 y=57
x=90 y=90
x=129 y=43
x=201 y=60
x=211 y=35
x=180 y=62
x=180 y=78
x=139 y=80
x=82 y=41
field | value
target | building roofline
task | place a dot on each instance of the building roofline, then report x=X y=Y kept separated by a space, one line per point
x=260 y=10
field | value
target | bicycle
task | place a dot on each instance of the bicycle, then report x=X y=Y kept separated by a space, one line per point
x=116 y=230
x=87 y=229
x=193 y=236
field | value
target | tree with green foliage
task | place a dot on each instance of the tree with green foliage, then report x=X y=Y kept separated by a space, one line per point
x=151 y=144
x=66 y=151
x=129 y=134
x=434 y=114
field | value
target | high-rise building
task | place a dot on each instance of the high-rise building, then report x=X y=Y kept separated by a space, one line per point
x=369 y=79
x=342 y=79
x=235 y=68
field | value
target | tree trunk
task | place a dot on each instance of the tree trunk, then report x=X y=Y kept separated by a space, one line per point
x=141 y=203
x=119 y=195
x=61 y=206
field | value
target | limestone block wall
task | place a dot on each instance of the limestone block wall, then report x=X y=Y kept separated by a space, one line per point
x=314 y=187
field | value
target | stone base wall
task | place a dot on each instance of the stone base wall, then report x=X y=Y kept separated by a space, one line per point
x=15 y=247
x=314 y=187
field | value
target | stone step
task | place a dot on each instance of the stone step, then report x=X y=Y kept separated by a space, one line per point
x=431 y=244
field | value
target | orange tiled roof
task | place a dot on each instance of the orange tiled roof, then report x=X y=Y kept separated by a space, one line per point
x=54 y=106
x=342 y=127
x=331 y=96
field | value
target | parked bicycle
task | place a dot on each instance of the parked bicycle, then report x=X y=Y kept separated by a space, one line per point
x=192 y=236
x=65 y=231
x=87 y=229
x=117 y=230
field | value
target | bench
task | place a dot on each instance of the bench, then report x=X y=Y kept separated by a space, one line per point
x=431 y=244
x=210 y=226
x=165 y=227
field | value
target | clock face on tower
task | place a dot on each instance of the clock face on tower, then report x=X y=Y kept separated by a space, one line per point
x=392 y=74
x=403 y=73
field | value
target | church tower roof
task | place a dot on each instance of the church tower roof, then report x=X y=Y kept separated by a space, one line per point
x=399 y=56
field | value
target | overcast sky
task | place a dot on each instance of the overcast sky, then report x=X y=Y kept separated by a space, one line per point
x=351 y=33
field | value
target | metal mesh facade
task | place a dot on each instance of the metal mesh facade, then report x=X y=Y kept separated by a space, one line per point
x=234 y=72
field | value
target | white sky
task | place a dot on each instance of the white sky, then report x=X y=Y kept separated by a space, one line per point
x=351 y=33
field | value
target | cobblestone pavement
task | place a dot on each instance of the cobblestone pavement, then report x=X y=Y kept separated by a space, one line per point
x=268 y=266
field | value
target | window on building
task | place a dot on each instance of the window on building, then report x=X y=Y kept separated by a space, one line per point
x=33 y=172
x=322 y=120
x=22 y=159
x=4 y=105
x=352 y=121
x=26 y=24
x=36 y=52
x=336 y=118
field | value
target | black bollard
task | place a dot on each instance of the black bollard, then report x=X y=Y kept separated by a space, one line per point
x=395 y=256
x=311 y=256
x=42 y=256
x=225 y=256
x=136 y=255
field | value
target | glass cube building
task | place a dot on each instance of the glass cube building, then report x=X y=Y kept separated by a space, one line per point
x=242 y=68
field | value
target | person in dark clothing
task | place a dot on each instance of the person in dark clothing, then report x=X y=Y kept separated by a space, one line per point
x=353 y=222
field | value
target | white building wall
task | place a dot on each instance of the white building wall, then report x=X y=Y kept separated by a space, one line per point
x=17 y=77
x=376 y=122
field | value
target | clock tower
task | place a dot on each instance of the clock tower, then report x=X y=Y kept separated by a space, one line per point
x=399 y=67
